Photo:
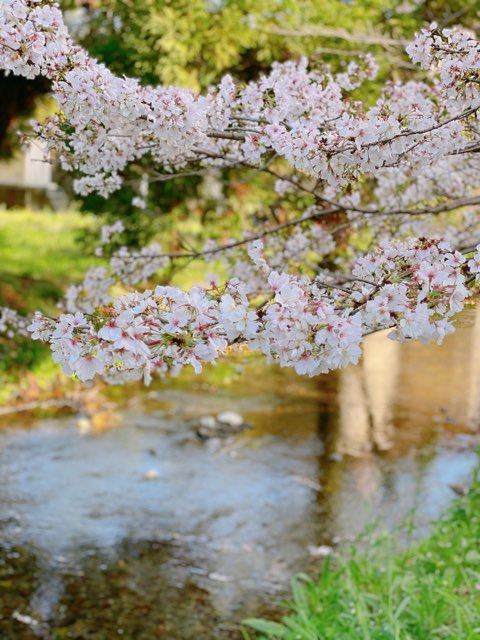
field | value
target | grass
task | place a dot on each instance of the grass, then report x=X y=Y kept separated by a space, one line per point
x=40 y=255
x=428 y=592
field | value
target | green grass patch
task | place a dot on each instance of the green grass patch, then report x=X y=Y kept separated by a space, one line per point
x=40 y=256
x=429 y=592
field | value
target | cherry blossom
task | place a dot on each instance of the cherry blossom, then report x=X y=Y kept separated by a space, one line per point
x=416 y=288
x=365 y=242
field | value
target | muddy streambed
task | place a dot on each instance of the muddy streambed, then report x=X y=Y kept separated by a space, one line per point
x=91 y=548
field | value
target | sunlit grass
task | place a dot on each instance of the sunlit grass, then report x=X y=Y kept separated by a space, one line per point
x=430 y=592
x=39 y=255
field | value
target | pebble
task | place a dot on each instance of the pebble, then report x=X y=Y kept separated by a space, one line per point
x=84 y=425
x=218 y=577
x=335 y=457
x=24 y=618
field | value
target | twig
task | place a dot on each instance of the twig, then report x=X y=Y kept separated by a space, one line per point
x=38 y=404
x=340 y=34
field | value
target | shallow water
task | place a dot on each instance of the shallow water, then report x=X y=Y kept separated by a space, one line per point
x=91 y=549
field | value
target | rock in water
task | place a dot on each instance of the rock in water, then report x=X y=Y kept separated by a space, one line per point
x=459 y=489
x=230 y=418
x=207 y=422
x=225 y=424
x=323 y=551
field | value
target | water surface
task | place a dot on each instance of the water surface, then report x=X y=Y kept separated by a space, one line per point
x=91 y=549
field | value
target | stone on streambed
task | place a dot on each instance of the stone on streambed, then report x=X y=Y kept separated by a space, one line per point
x=98 y=422
x=152 y=474
x=207 y=422
x=223 y=425
x=231 y=419
x=322 y=551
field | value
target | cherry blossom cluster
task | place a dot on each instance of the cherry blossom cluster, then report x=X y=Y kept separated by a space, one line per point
x=449 y=178
x=33 y=38
x=474 y=264
x=126 y=268
x=297 y=250
x=378 y=170
x=413 y=288
x=12 y=323
x=107 y=233
x=424 y=291
x=105 y=122
x=457 y=56
x=95 y=290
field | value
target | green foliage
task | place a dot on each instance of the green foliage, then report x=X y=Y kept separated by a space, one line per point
x=193 y=42
x=431 y=591
x=189 y=43
x=170 y=197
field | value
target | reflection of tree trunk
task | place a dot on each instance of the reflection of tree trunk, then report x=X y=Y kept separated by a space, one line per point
x=366 y=396
x=381 y=366
x=354 y=419
x=473 y=398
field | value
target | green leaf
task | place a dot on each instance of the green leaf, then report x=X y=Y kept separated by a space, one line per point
x=265 y=626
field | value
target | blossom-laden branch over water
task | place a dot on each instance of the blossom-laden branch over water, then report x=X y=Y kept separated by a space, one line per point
x=392 y=171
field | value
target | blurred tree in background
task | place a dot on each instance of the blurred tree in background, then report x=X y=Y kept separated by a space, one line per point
x=192 y=43
x=18 y=97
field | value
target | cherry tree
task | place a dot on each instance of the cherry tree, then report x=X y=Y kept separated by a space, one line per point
x=379 y=204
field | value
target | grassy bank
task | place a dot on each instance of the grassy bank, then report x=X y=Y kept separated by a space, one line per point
x=431 y=591
x=40 y=256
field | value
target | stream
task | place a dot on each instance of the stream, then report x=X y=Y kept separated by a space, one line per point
x=135 y=528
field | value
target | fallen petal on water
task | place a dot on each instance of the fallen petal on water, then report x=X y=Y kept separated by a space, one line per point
x=218 y=577
x=16 y=615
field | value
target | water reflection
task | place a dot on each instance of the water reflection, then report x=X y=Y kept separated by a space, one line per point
x=226 y=523
x=365 y=397
x=399 y=383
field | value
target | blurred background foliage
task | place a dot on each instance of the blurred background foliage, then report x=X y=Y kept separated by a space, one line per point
x=192 y=43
